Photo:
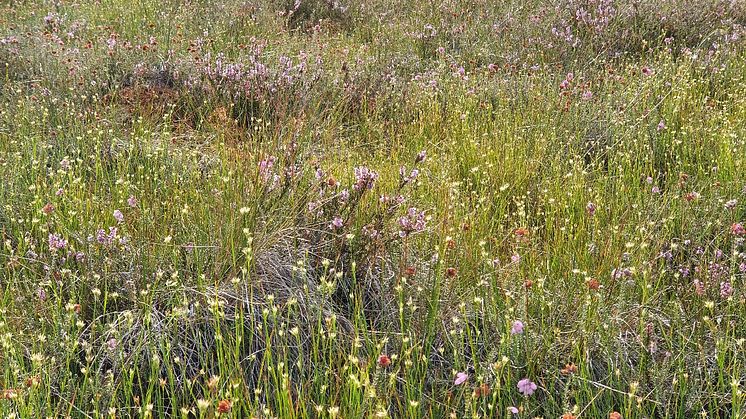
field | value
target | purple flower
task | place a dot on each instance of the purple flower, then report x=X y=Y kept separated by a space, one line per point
x=106 y=239
x=461 y=378
x=364 y=178
x=421 y=156
x=527 y=387
x=336 y=223
x=112 y=344
x=661 y=125
x=56 y=242
x=119 y=216
x=408 y=178
x=513 y=410
x=132 y=201
x=413 y=222
x=515 y=258
x=517 y=328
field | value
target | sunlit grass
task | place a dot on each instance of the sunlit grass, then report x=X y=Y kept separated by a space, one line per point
x=237 y=209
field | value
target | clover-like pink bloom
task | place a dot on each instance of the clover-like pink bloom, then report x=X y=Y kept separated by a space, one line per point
x=527 y=387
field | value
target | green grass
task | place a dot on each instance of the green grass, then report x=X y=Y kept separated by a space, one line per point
x=167 y=212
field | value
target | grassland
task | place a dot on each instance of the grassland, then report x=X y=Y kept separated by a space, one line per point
x=393 y=208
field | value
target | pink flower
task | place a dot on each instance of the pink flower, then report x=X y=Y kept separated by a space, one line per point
x=527 y=387
x=661 y=125
x=517 y=328
x=726 y=289
x=461 y=378
x=118 y=216
x=132 y=201
x=738 y=229
x=647 y=71
x=513 y=410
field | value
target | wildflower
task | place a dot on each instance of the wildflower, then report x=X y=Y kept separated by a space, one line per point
x=413 y=222
x=202 y=404
x=364 y=178
x=691 y=196
x=593 y=284
x=655 y=190
x=56 y=242
x=569 y=369
x=661 y=125
x=568 y=416
x=726 y=289
x=48 y=208
x=482 y=390
x=118 y=216
x=515 y=258
x=590 y=208
x=8 y=394
x=517 y=328
x=512 y=409
x=384 y=361
x=587 y=95
x=60 y=192
x=527 y=387
x=421 y=156
x=451 y=272
x=615 y=415
x=336 y=223
x=738 y=229
x=132 y=201
x=461 y=378
x=105 y=239
x=521 y=231
x=731 y=204
x=224 y=406
x=647 y=71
